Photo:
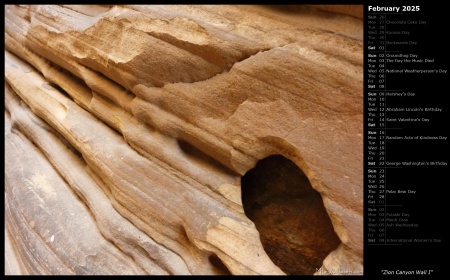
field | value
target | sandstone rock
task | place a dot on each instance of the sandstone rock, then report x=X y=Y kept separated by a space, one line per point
x=129 y=131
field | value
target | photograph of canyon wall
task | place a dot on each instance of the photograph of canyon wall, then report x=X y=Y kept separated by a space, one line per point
x=183 y=140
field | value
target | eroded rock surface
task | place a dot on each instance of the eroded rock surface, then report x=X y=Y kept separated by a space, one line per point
x=128 y=130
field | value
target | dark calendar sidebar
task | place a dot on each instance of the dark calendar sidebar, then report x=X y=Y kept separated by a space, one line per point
x=406 y=125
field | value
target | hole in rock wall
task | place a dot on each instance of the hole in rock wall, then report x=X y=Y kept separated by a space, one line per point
x=219 y=266
x=294 y=227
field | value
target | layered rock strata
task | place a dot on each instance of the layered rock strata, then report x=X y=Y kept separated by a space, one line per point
x=128 y=130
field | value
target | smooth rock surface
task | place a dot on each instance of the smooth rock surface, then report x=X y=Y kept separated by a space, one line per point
x=128 y=130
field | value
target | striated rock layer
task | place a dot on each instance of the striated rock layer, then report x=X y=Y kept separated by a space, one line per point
x=130 y=132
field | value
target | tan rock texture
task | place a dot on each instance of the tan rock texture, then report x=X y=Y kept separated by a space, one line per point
x=130 y=132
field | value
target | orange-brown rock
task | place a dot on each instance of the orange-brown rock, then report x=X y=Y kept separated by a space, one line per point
x=183 y=140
